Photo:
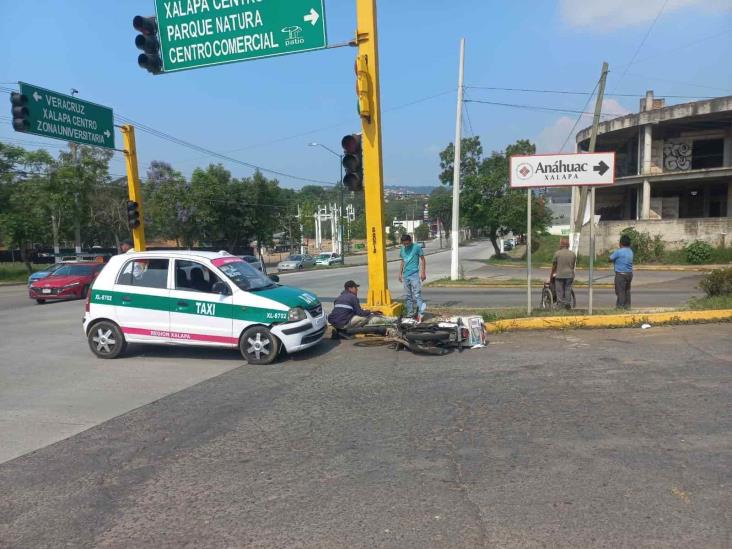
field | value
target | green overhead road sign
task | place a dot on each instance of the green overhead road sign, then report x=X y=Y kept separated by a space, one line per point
x=53 y=114
x=199 y=33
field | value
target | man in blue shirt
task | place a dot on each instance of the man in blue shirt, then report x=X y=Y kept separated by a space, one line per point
x=412 y=272
x=622 y=259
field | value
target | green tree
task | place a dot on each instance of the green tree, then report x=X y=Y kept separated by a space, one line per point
x=422 y=232
x=487 y=201
x=24 y=219
x=440 y=207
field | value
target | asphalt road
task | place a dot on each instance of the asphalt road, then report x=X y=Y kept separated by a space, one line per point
x=651 y=288
x=614 y=438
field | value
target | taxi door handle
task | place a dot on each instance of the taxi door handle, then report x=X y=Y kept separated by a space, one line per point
x=183 y=304
x=126 y=299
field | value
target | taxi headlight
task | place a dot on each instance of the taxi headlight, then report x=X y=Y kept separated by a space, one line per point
x=296 y=315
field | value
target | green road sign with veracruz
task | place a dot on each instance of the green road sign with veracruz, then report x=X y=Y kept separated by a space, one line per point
x=199 y=33
x=60 y=116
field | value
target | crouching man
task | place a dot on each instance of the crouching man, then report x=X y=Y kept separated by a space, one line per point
x=347 y=312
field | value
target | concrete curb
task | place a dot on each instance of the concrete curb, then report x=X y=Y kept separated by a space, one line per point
x=607 y=321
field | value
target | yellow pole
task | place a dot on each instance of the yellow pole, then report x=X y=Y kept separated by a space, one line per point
x=379 y=296
x=133 y=184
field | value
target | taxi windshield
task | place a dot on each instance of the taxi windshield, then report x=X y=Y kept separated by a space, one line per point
x=245 y=276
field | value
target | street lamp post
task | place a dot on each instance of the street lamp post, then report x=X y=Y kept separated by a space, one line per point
x=340 y=182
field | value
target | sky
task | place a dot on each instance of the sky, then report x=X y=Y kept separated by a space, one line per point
x=265 y=112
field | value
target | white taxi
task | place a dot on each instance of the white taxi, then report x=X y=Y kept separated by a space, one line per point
x=198 y=298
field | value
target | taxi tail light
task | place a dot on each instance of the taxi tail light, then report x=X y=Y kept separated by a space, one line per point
x=88 y=302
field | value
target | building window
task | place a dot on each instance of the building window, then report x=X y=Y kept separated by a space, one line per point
x=707 y=153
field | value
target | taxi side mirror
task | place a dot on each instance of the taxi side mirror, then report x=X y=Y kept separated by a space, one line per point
x=220 y=288
x=274 y=278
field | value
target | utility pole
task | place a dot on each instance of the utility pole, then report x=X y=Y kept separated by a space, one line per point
x=369 y=101
x=299 y=218
x=77 y=216
x=593 y=143
x=455 y=257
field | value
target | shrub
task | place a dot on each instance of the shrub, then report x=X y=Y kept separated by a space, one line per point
x=645 y=248
x=698 y=252
x=718 y=282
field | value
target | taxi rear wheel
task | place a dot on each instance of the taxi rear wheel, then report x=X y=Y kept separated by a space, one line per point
x=106 y=340
x=258 y=346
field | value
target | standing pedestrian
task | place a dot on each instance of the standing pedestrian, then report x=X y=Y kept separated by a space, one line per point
x=412 y=272
x=622 y=259
x=563 y=266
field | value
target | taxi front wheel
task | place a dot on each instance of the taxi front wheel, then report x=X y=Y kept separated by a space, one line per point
x=106 y=340
x=259 y=346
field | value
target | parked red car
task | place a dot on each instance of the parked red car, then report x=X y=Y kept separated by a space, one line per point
x=71 y=281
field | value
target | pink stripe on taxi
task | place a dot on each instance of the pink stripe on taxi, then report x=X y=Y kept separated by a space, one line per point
x=182 y=336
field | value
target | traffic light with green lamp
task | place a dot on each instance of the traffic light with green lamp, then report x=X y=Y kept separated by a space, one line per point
x=20 y=112
x=149 y=42
x=352 y=162
x=133 y=214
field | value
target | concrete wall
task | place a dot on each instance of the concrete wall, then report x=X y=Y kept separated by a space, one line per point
x=676 y=233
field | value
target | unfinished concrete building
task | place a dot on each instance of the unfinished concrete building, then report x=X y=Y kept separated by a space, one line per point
x=673 y=173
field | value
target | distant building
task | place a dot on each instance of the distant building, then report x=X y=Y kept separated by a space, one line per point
x=560 y=218
x=673 y=172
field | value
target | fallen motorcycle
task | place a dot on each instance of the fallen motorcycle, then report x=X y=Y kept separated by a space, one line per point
x=432 y=337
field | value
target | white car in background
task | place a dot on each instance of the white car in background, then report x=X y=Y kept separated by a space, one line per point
x=328 y=258
x=296 y=263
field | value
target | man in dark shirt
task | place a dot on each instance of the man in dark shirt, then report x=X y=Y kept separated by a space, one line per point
x=563 y=266
x=347 y=311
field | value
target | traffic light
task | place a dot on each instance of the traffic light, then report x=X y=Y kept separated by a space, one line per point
x=362 y=87
x=352 y=162
x=20 y=112
x=149 y=42
x=133 y=214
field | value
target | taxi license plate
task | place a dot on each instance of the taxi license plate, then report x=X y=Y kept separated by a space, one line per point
x=46 y=290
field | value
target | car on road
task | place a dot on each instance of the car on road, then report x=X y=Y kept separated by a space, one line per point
x=254 y=262
x=70 y=281
x=328 y=258
x=38 y=275
x=198 y=298
x=296 y=263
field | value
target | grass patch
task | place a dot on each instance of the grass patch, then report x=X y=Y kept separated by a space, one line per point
x=17 y=272
x=716 y=302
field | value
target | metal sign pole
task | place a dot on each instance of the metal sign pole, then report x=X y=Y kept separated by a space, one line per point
x=528 y=251
x=592 y=248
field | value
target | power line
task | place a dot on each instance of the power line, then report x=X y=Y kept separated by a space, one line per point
x=681 y=47
x=168 y=137
x=331 y=126
x=536 y=107
x=638 y=49
x=568 y=92
x=648 y=76
x=470 y=123
x=574 y=127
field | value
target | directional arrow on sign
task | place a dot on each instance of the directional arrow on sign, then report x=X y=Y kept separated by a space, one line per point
x=312 y=17
x=37 y=96
x=107 y=134
x=601 y=167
